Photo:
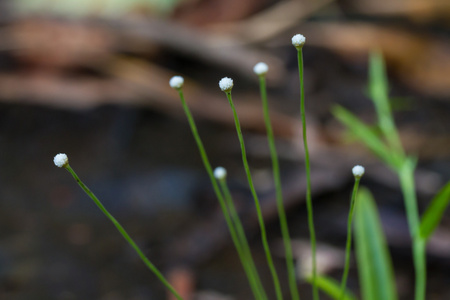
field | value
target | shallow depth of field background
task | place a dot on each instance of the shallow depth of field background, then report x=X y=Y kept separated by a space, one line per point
x=90 y=79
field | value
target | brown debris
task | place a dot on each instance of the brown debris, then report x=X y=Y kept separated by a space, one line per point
x=419 y=60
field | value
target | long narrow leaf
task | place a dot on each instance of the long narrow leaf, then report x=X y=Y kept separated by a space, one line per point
x=378 y=90
x=331 y=287
x=434 y=212
x=374 y=262
x=378 y=83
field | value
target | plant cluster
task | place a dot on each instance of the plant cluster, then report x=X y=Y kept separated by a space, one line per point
x=373 y=260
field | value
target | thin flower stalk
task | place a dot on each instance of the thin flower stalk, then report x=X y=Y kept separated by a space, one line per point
x=60 y=163
x=298 y=41
x=233 y=213
x=255 y=197
x=358 y=171
x=242 y=246
x=261 y=71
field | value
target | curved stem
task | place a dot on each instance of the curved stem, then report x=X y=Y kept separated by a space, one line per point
x=312 y=232
x=252 y=189
x=349 y=239
x=279 y=194
x=124 y=234
x=241 y=245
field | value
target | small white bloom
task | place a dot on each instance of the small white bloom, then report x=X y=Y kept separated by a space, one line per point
x=358 y=171
x=226 y=84
x=61 y=160
x=176 y=82
x=261 y=68
x=298 y=41
x=220 y=173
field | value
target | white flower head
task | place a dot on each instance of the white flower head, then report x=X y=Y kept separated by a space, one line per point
x=358 y=171
x=176 y=82
x=220 y=173
x=226 y=84
x=61 y=160
x=261 y=68
x=298 y=41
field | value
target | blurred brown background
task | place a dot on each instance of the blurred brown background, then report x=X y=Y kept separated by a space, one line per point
x=90 y=79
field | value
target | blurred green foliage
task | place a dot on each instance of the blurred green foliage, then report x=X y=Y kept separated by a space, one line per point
x=374 y=262
x=88 y=8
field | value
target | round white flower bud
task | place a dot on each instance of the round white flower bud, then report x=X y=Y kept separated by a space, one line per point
x=298 y=41
x=226 y=84
x=61 y=160
x=220 y=173
x=358 y=171
x=261 y=68
x=176 y=82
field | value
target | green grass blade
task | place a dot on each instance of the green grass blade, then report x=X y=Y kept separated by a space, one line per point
x=331 y=287
x=374 y=262
x=378 y=91
x=378 y=83
x=434 y=212
x=365 y=134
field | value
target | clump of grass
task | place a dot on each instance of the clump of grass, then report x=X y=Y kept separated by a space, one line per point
x=373 y=259
x=388 y=147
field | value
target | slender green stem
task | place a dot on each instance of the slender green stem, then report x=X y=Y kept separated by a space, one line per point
x=419 y=252
x=124 y=233
x=236 y=221
x=349 y=238
x=406 y=175
x=308 y=178
x=279 y=194
x=246 y=259
x=255 y=196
